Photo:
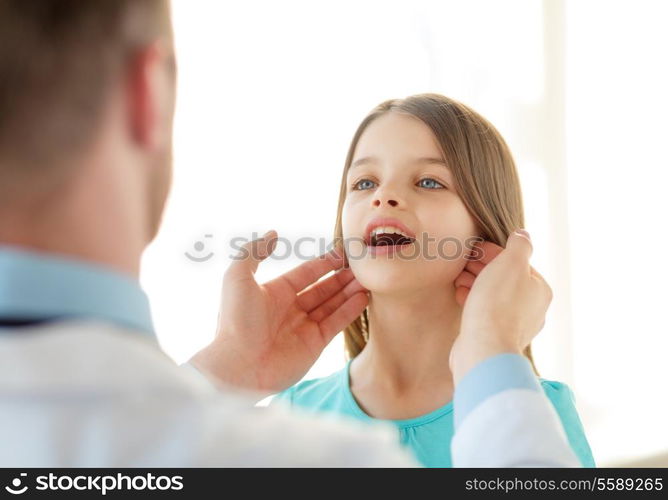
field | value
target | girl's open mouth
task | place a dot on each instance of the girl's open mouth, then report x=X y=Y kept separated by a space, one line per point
x=387 y=235
x=389 y=239
x=388 y=243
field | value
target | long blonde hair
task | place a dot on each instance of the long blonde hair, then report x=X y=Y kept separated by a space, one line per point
x=481 y=164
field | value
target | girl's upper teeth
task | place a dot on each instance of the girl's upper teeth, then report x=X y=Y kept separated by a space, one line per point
x=388 y=230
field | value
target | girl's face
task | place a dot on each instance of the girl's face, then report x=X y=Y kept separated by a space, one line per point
x=399 y=173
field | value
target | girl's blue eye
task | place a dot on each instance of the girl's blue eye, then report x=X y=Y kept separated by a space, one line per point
x=427 y=183
x=430 y=184
x=363 y=182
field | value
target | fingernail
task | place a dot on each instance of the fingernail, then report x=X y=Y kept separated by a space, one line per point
x=264 y=237
x=523 y=232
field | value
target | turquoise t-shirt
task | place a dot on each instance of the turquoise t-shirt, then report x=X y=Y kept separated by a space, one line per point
x=428 y=436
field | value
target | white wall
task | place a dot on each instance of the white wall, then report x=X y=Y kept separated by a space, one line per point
x=617 y=178
x=271 y=93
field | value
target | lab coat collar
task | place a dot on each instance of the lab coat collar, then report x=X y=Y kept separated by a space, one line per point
x=38 y=286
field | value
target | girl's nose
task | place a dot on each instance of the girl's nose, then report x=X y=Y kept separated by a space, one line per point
x=377 y=202
x=389 y=195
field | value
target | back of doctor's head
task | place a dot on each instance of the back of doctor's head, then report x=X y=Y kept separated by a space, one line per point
x=61 y=61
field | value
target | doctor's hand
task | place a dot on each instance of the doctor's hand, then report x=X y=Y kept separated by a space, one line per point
x=505 y=302
x=269 y=335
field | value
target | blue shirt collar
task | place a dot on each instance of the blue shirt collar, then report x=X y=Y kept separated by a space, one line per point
x=36 y=285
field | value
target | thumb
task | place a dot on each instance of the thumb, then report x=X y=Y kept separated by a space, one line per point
x=246 y=262
x=519 y=244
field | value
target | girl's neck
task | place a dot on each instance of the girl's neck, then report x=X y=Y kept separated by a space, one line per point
x=410 y=338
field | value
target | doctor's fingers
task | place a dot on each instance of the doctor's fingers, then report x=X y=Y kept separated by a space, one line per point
x=331 y=305
x=345 y=314
x=484 y=252
x=311 y=271
x=461 y=293
x=323 y=290
x=474 y=267
x=543 y=285
x=246 y=262
x=465 y=279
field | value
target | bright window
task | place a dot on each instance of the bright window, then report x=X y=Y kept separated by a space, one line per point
x=270 y=94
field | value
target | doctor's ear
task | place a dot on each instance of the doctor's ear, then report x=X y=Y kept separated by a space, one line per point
x=150 y=95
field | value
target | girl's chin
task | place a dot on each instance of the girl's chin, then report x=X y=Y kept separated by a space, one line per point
x=391 y=279
x=396 y=284
x=407 y=292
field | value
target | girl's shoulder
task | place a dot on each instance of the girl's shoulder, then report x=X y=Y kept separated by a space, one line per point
x=562 y=398
x=557 y=392
x=320 y=393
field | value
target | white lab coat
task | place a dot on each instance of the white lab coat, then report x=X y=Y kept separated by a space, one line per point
x=529 y=433
x=86 y=394
x=89 y=394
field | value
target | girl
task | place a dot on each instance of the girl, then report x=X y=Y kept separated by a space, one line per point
x=424 y=177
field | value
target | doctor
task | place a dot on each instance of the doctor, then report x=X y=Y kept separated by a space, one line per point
x=86 y=103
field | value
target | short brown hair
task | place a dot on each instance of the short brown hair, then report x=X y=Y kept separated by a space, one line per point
x=58 y=58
